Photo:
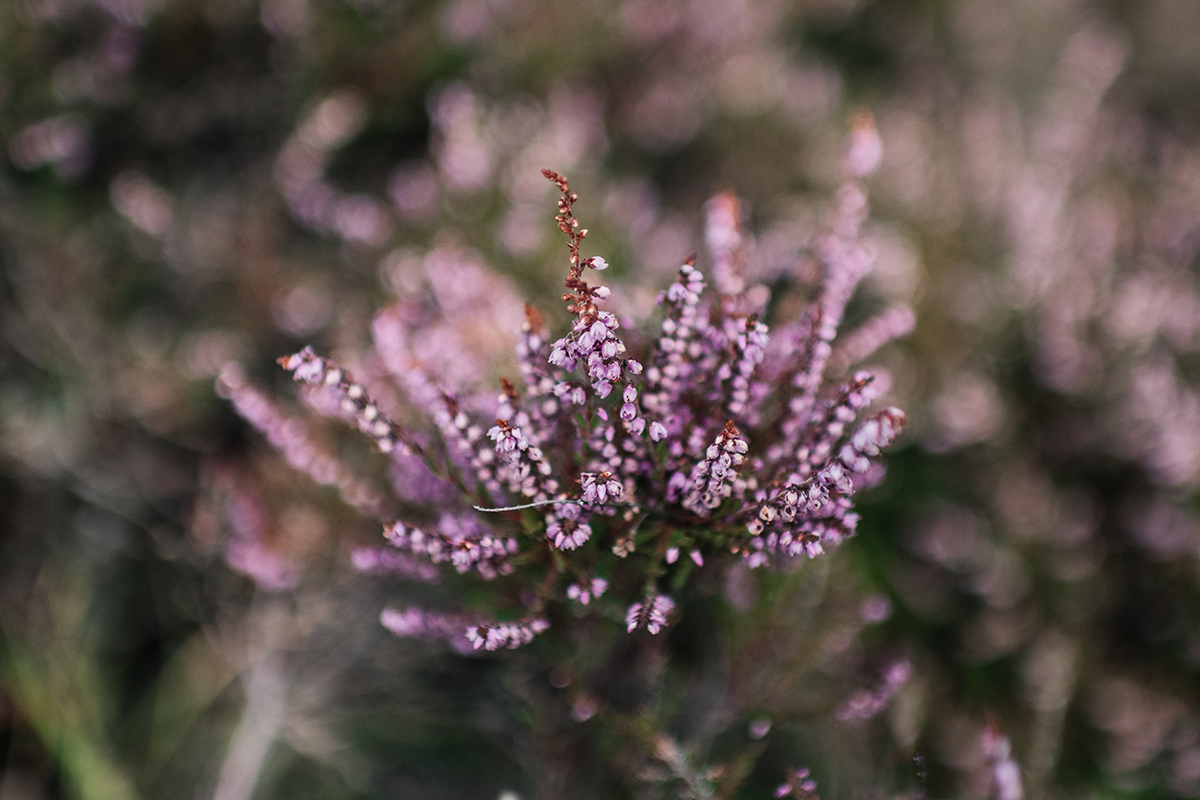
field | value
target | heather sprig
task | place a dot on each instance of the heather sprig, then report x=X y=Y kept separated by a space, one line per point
x=595 y=473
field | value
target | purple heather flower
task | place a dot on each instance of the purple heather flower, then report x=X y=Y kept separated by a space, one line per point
x=493 y=636
x=651 y=615
x=290 y=436
x=601 y=488
x=419 y=623
x=509 y=441
x=564 y=528
x=458 y=541
x=355 y=403
x=712 y=477
x=586 y=592
x=719 y=433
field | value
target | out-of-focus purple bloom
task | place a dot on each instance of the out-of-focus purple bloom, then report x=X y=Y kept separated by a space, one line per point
x=388 y=561
x=799 y=785
x=584 y=594
x=420 y=623
x=262 y=564
x=866 y=703
x=997 y=749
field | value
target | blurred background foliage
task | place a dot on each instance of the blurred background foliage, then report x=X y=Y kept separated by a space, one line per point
x=189 y=182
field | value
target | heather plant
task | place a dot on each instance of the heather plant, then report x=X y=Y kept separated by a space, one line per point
x=1059 y=422
x=628 y=466
x=186 y=182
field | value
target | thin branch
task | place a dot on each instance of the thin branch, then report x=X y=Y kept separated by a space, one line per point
x=538 y=504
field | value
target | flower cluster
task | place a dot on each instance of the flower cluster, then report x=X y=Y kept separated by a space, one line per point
x=712 y=477
x=799 y=784
x=651 y=615
x=866 y=703
x=731 y=440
